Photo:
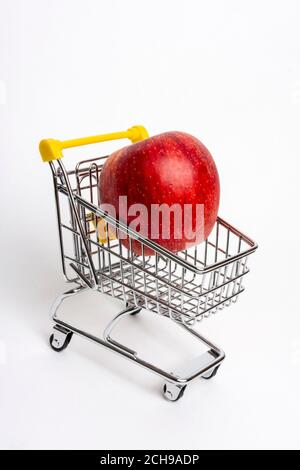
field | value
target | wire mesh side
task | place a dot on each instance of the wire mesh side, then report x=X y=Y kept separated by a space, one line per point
x=157 y=283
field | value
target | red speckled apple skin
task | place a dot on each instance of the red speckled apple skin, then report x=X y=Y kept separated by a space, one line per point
x=169 y=168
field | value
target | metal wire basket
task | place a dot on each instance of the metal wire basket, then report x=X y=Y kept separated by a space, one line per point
x=185 y=286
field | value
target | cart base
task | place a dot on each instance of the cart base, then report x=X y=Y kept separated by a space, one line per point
x=206 y=365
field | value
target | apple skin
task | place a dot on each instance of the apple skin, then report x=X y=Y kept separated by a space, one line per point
x=169 y=168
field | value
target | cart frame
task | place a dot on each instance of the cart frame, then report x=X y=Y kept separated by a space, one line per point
x=180 y=286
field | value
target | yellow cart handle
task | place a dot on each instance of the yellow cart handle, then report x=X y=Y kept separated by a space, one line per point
x=51 y=149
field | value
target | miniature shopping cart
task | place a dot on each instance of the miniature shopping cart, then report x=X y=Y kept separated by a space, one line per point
x=184 y=287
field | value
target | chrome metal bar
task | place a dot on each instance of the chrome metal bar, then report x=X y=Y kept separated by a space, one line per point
x=77 y=218
x=59 y=223
x=107 y=332
x=183 y=377
x=58 y=301
x=82 y=276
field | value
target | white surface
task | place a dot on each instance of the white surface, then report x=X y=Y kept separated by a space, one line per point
x=227 y=72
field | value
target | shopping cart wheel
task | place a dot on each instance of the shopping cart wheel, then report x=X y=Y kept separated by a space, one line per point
x=173 y=392
x=210 y=374
x=58 y=344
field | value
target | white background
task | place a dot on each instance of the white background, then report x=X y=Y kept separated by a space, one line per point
x=227 y=72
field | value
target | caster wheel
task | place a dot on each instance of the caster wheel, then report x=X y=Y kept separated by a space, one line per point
x=173 y=392
x=59 y=345
x=211 y=374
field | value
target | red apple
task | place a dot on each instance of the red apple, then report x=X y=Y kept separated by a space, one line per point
x=170 y=168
